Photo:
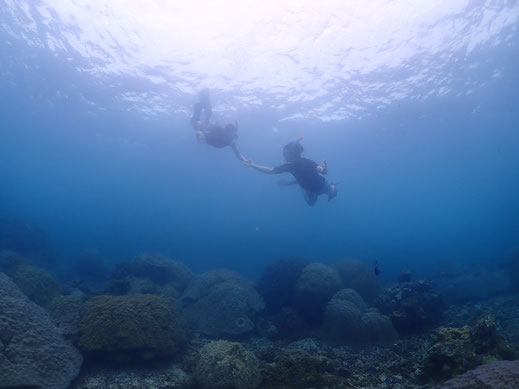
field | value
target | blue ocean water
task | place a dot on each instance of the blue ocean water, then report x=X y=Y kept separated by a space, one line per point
x=413 y=106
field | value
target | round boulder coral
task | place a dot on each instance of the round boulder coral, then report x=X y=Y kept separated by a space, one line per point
x=376 y=328
x=158 y=268
x=65 y=311
x=35 y=283
x=227 y=365
x=313 y=290
x=348 y=320
x=411 y=306
x=342 y=315
x=221 y=303
x=276 y=284
x=358 y=276
x=137 y=327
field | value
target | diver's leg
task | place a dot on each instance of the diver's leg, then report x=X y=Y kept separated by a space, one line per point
x=332 y=191
x=197 y=113
x=310 y=197
x=239 y=155
x=205 y=103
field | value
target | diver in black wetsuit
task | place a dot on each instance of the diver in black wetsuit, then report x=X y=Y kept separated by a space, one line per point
x=210 y=133
x=307 y=174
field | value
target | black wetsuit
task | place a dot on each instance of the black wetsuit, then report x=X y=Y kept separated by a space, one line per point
x=214 y=135
x=220 y=137
x=305 y=172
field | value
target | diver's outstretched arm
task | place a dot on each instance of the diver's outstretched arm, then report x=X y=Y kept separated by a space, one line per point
x=239 y=155
x=264 y=169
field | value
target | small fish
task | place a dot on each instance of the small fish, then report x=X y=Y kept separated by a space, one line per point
x=377 y=269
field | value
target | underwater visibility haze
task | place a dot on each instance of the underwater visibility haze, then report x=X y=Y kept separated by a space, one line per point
x=412 y=104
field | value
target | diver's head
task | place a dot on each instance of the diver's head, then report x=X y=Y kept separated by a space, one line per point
x=292 y=151
x=204 y=95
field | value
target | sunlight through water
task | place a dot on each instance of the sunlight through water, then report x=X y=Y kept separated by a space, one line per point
x=330 y=60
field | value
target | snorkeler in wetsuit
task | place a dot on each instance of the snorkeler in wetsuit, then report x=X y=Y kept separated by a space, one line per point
x=210 y=133
x=308 y=174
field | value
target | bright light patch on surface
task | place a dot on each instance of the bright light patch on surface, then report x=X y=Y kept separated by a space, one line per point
x=329 y=60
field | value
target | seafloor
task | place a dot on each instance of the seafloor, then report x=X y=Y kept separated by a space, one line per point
x=151 y=323
x=397 y=366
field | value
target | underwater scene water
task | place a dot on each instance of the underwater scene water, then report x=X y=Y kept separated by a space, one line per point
x=243 y=194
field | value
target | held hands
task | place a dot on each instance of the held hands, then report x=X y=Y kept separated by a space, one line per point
x=248 y=162
x=323 y=168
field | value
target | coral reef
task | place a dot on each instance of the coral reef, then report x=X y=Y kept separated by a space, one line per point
x=26 y=239
x=375 y=328
x=347 y=320
x=496 y=375
x=314 y=288
x=88 y=272
x=33 y=354
x=411 y=306
x=405 y=276
x=227 y=365
x=35 y=283
x=360 y=277
x=221 y=303
x=297 y=368
x=138 y=377
x=290 y=325
x=137 y=327
x=451 y=354
x=150 y=274
x=130 y=285
x=457 y=350
x=159 y=269
x=342 y=316
x=277 y=282
x=510 y=265
x=66 y=311
x=9 y=260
